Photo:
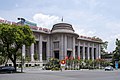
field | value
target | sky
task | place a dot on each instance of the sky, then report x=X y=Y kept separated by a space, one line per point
x=99 y=18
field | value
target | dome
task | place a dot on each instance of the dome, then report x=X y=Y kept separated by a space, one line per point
x=62 y=27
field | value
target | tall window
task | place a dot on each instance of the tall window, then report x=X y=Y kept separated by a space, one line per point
x=94 y=53
x=86 y=53
x=44 y=50
x=36 y=47
x=81 y=52
x=76 y=51
x=90 y=51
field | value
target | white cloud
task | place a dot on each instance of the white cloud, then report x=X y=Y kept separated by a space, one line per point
x=111 y=41
x=16 y=5
x=44 y=20
x=2 y=18
x=93 y=3
x=113 y=25
x=85 y=33
x=115 y=36
x=79 y=29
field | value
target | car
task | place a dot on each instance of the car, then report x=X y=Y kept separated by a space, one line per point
x=7 y=69
x=109 y=68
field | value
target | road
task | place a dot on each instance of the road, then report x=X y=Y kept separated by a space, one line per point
x=64 y=75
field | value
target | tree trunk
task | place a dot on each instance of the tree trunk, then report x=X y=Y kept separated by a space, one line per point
x=14 y=62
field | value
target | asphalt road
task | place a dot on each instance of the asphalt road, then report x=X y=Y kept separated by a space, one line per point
x=64 y=75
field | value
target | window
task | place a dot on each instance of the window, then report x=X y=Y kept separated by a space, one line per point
x=69 y=42
x=56 y=45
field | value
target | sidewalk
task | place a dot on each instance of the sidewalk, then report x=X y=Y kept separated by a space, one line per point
x=38 y=70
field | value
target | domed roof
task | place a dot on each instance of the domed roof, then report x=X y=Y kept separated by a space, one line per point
x=62 y=27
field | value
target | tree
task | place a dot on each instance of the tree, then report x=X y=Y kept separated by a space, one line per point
x=104 y=54
x=2 y=60
x=104 y=47
x=116 y=52
x=13 y=37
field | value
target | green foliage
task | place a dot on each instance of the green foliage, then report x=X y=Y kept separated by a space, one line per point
x=116 y=52
x=85 y=64
x=105 y=56
x=19 y=55
x=13 y=37
x=104 y=47
x=89 y=62
x=53 y=64
x=36 y=56
x=73 y=64
x=27 y=58
x=2 y=60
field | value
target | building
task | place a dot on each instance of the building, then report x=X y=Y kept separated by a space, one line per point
x=60 y=42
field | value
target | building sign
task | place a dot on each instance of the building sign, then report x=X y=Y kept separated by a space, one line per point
x=7 y=22
x=116 y=64
x=32 y=25
x=62 y=62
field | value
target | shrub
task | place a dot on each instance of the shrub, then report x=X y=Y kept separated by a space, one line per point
x=53 y=64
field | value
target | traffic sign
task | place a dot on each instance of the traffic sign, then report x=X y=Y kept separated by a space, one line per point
x=63 y=62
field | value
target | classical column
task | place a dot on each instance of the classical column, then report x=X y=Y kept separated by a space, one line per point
x=99 y=51
x=40 y=48
x=88 y=52
x=62 y=48
x=32 y=52
x=23 y=51
x=48 y=48
x=79 y=49
x=65 y=53
x=93 y=52
x=83 y=50
x=51 y=47
x=74 y=47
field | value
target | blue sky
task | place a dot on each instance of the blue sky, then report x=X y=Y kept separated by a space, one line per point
x=99 y=18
